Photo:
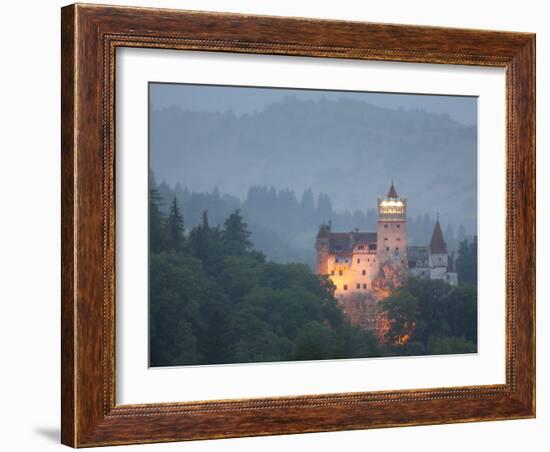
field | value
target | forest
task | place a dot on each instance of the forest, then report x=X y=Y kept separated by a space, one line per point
x=431 y=318
x=215 y=299
x=283 y=222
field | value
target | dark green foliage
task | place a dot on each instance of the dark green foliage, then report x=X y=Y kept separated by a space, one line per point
x=402 y=310
x=414 y=348
x=214 y=299
x=205 y=244
x=235 y=234
x=176 y=286
x=361 y=343
x=156 y=226
x=175 y=227
x=466 y=263
x=451 y=345
x=317 y=341
x=463 y=312
x=433 y=306
x=437 y=317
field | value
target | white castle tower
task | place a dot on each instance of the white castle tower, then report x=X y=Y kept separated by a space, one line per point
x=391 y=230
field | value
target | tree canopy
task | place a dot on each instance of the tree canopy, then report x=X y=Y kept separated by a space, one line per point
x=214 y=299
x=466 y=263
x=431 y=317
x=283 y=221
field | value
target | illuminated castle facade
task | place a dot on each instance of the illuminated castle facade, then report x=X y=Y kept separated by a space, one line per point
x=366 y=267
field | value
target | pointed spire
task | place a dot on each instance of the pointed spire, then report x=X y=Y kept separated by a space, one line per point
x=392 y=193
x=437 y=244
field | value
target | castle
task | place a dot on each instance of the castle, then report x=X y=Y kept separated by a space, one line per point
x=366 y=267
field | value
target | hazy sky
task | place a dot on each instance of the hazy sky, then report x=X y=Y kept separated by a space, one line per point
x=222 y=98
x=349 y=145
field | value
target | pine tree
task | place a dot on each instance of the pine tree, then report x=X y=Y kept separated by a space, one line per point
x=165 y=192
x=156 y=222
x=466 y=263
x=235 y=234
x=473 y=253
x=204 y=223
x=199 y=238
x=176 y=230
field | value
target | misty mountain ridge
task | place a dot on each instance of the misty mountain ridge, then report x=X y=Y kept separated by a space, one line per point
x=348 y=149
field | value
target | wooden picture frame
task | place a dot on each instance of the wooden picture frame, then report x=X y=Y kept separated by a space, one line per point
x=90 y=36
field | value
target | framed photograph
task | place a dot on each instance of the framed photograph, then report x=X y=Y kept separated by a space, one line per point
x=280 y=225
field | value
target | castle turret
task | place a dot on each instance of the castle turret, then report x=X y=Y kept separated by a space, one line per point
x=438 y=253
x=322 y=246
x=438 y=247
x=392 y=228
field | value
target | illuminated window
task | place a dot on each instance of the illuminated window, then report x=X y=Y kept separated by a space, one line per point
x=345 y=287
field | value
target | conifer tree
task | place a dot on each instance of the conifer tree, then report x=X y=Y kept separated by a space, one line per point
x=200 y=239
x=204 y=224
x=235 y=234
x=473 y=253
x=175 y=227
x=156 y=222
x=466 y=263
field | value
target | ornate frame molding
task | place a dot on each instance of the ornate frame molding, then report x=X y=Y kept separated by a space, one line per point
x=90 y=37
